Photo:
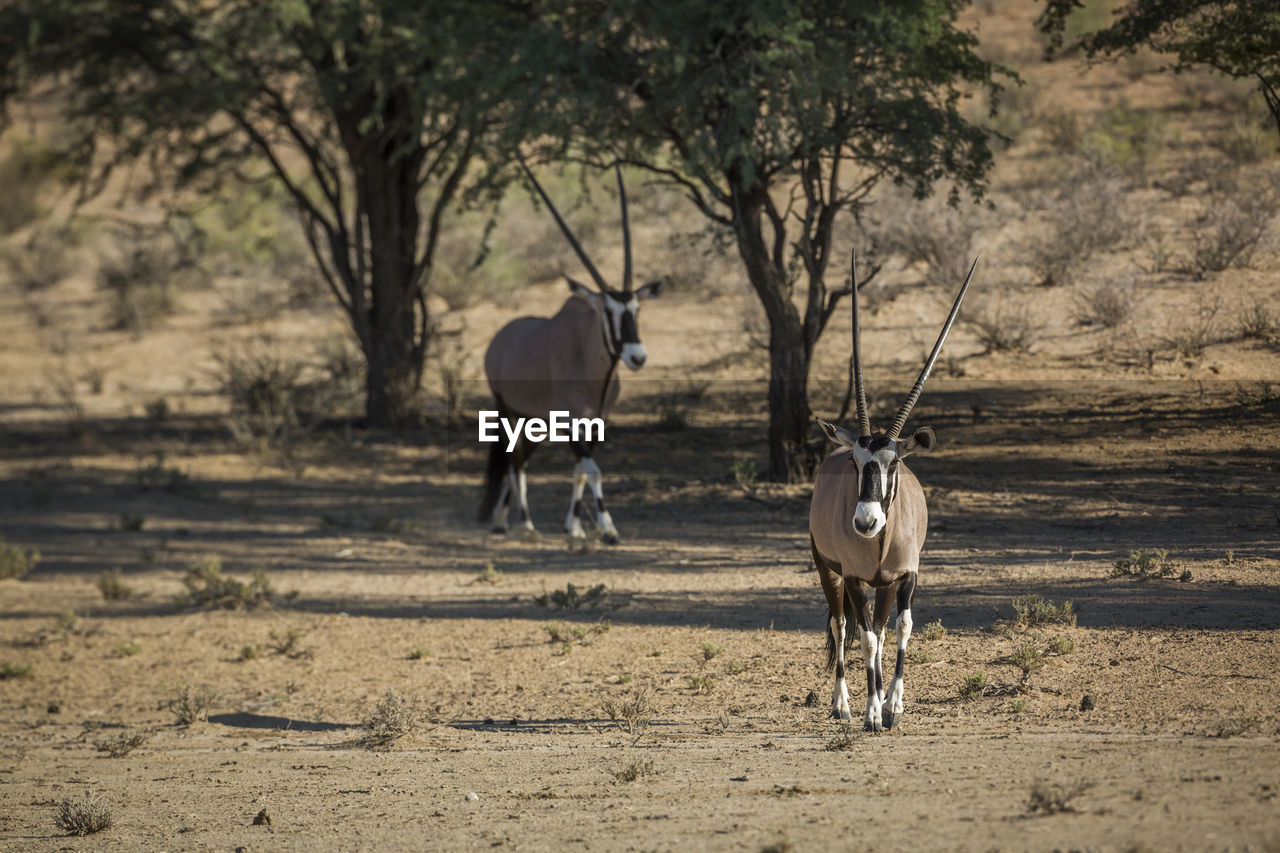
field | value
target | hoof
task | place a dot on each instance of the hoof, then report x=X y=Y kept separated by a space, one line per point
x=889 y=719
x=610 y=539
x=842 y=716
x=498 y=528
x=872 y=726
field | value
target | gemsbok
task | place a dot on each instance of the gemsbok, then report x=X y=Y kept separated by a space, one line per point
x=867 y=524
x=566 y=363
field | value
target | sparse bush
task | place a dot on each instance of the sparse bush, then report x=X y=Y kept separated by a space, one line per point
x=207 y=586
x=141 y=284
x=1127 y=139
x=83 y=815
x=113 y=587
x=1259 y=322
x=701 y=683
x=1244 y=142
x=419 y=653
x=570 y=598
x=1143 y=565
x=1052 y=799
x=711 y=650
x=1062 y=128
x=393 y=718
x=15 y=670
x=631 y=714
x=1000 y=324
x=128 y=649
x=250 y=651
x=192 y=705
x=744 y=472
x=1017 y=706
x=42 y=262
x=1034 y=610
x=1195 y=331
x=928 y=232
x=1028 y=658
x=574 y=633
x=634 y=769
x=286 y=642
x=16 y=562
x=1089 y=215
x=845 y=741
x=974 y=685
x=489 y=575
x=123 y=743
x=1107 y=304
x=1231 y=228
x=1062 y=645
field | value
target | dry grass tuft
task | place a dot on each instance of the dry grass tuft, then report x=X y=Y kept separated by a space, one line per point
x=124 y=743
x=635 y=769
x=113 y=587
x=207 y=586
x=83 y=815
x=631 y=714
x=191 y=705
x=393 y=717
x=1046 y=798
x=1035 y=610
x=16 y=562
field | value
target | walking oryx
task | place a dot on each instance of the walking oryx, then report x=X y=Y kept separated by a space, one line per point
x=566 y=363
x=867 y=525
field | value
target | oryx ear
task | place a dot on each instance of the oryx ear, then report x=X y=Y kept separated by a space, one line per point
x=839 y=435
x=581 y=290
x=921 y=441
x=651 y=289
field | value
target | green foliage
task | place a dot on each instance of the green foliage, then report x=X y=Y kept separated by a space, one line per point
x=931 y=631
x=1144 y=565
x=711 y=650
x=974 y=685
x=16 y=562
x=1035 y=610
x=1126 y=139
x=15 y=670
x=1028 y=657
x=207 y=586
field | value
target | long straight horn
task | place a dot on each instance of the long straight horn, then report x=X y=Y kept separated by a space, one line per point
x=573 y=241
x=864 y=419
x=626 y=231
x=905 y=411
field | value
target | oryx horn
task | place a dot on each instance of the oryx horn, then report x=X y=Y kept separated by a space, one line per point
x=626 y=231
x=573 y=241
x=864 y=419
x=905 y=411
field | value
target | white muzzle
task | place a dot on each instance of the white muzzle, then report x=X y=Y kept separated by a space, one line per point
x=633 y=355
x=868 y=519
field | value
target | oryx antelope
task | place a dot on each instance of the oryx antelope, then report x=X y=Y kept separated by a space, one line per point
x=867 y=525
x=569 y=362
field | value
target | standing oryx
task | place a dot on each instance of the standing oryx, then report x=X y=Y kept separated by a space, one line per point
x=867 y=525
x=566 y=363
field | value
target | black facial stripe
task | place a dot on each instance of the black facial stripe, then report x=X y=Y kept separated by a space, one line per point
x=870 y=483
x=629 y=333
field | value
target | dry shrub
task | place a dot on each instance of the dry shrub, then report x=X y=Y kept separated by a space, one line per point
x=42 y=262
x=1126 y=139
x=123 y=743
x=1001 y=324
x=191 y=705
x=1259 y=322
x=142 y=283
x=392 y=718
x=83 y=815
x=1194 y=331
x=634 y=769
x=112 y=586
x=16 y=562
x=1053 y=799
x=1034 y=610
x=207 y=586
x=1230 y=229
x=928 y=232
x=1062 y=129
x=1107 y=304
x=631 y=714
x=1089 y=215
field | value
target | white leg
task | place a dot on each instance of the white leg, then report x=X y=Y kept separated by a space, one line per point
x=573 y=521
x=840 y=695
x=870 y=650
x=603 y=520
x=892 y=710
x=880 y=664
x=522 y=493
x=499 y=519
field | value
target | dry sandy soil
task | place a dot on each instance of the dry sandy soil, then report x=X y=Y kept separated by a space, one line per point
x=1052 y=465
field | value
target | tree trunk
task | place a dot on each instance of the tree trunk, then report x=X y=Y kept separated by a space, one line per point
x=789 y=413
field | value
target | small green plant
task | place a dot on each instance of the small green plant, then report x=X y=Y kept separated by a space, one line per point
x=634 y=769
x=124 y=743
x=1028 y=658
x=15 y=670
x=1035 y=610
x=1017 y=706
x=286 y=642
x=207 y=586
x=419 y=653
x=630 y=714
x=744 y=472
x=932 y=631
x=489 y=575
x=113 y=587
x=735 y=668
x=701 y=683
x=393 y=718
x=16 y=562
x=566 y=634
x=128 y=649
x=83 y=815
x=192 y=705
x=570 y=598
x=250 y=651
x=1062 y=645
x=710 y=651
x=974 y=685
x=624 y=678
x=1144 y=565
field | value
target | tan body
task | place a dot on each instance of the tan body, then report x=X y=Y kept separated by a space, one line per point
x=537 y=365
x=835 y=497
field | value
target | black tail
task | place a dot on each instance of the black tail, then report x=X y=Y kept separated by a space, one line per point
x=494 y=475
x=849 y=628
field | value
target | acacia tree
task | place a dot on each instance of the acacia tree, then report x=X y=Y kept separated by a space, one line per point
x=774 y=117
x=369 y=113
x=1240 y=38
